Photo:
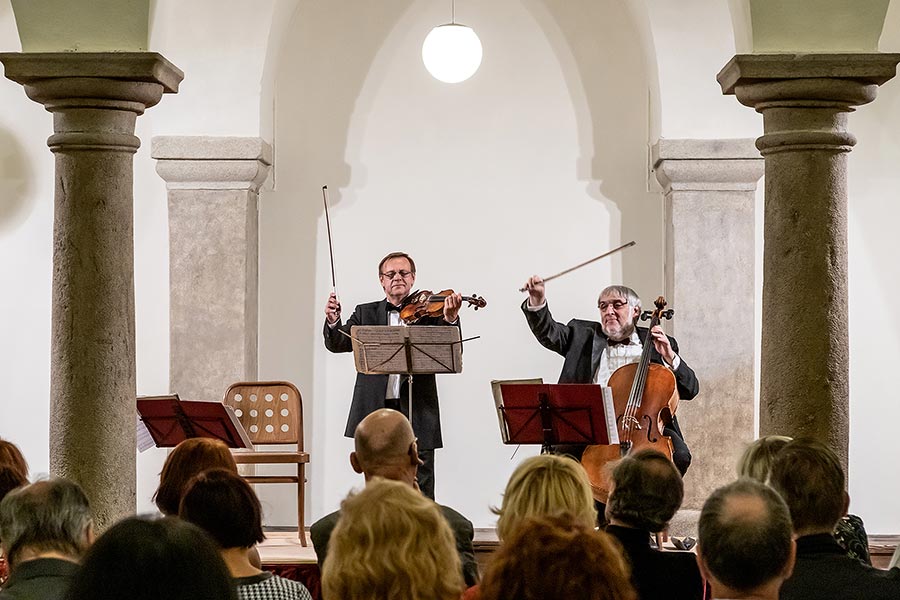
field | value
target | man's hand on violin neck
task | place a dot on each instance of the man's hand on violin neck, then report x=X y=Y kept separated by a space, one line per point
x=451 y=307
x=332 y=309
x=535 y=288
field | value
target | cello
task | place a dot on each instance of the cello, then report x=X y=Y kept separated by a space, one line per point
x=645 y=397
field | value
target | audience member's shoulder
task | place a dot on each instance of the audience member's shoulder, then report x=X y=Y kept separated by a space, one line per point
x=455 y=518
x=325 y=524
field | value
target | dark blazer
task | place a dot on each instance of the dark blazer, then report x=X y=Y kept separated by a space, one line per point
x=823 y=571
x=658 y=575
x=582 y=342
x=369 y=391
x=320 y=533
x=40 y=579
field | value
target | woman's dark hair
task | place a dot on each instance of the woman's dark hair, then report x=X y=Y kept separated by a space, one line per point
x=143 y=559
x=11 y=455
x=10 y=479
x=190 y=457
x=225 y=506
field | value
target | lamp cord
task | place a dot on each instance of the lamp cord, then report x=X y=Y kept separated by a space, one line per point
x=453 y=12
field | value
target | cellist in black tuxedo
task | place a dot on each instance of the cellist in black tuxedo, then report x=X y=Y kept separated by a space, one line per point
x=593 y=351
x=396 y=273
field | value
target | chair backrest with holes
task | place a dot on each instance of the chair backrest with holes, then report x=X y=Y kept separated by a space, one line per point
x=270 y=411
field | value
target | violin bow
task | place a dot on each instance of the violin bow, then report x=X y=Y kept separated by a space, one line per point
x=330 y=249
x=587 y=262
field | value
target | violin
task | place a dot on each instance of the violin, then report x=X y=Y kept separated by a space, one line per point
x=426 y=303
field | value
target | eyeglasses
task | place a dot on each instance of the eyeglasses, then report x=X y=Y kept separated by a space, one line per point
x=391 y=274
x=616 y=304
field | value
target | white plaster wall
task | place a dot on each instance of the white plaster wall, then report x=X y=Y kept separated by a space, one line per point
x=26 y=217
x=484 y=183
x=874 y=211
x=693 y=40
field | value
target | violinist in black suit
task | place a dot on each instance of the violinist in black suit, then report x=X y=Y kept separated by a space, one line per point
x=397 y=273
x=593 y=351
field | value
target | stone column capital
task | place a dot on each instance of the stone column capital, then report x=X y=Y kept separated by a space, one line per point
x=95 y=97
x=805 y=97
x=212 y=163
x=700 y=165
x=806 y=76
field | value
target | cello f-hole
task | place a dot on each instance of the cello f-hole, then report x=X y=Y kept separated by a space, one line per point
x=650 y=439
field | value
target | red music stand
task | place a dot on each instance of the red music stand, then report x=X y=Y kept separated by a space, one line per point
x=552 y=414
x=170 y=421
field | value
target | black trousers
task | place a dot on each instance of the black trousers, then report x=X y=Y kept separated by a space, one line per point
x=425 y=474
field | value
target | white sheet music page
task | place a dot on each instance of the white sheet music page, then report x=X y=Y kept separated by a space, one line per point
x=609 y=409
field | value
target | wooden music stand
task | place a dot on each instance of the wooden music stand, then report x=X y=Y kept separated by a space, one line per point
x=551 y=414
x=170 y=421
x=415 y=350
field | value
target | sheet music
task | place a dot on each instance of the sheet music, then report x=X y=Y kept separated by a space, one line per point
x=382 y=349
x=609 y=409
x=144 y=439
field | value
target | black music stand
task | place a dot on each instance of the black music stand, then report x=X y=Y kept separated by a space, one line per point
x=170 y=421
x=414 y=350
x=552 y=414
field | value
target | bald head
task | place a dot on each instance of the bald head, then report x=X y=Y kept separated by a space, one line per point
x=385 y=446
x=745 y=538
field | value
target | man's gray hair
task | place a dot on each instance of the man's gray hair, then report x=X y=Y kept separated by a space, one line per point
x=622 y=291
x=46 y=516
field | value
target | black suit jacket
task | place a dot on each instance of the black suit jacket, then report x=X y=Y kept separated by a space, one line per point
x=369 y=391
x=580 y=342
x=40 y=578
x=658 y=575
x=823 y=571
x=320 y=533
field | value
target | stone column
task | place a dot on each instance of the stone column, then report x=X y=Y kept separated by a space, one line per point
x=213 y=185
x=805 y=100
x=95 y=99
x=710 y=193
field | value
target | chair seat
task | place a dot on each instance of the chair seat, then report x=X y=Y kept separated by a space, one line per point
x=254 y=458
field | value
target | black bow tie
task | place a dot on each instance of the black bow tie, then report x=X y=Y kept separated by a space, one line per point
x=612 y=342
x=391 y=307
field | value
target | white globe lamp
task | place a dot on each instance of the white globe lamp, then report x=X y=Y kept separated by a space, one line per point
x=452 y=52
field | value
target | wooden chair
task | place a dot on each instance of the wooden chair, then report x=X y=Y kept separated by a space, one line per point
x=272 y=413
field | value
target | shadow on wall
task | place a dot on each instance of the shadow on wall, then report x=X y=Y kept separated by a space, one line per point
x=15 y=183
x=308 y=85
x=598 y=49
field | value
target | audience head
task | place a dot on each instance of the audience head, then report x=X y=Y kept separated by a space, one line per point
x=646 y=493
x=557 y=557
x=745 y=539
x=756 y=461
x=391 y=542
x=142 y=559
x=224 y=505
x=809 y=476
x=547 y=484
x=10 y=479
x=386 y=447
x=46 y=517
x=190 y=457
x=11 y=455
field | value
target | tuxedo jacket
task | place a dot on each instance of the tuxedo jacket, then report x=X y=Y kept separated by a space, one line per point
x=463 y=532
x=582 y=342
x=369 y=391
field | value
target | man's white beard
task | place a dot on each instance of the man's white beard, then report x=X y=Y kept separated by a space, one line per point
x=623 y=334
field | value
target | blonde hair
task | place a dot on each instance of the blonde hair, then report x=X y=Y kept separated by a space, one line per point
x=391 y=542
x=543 y=485
x=757 y=459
